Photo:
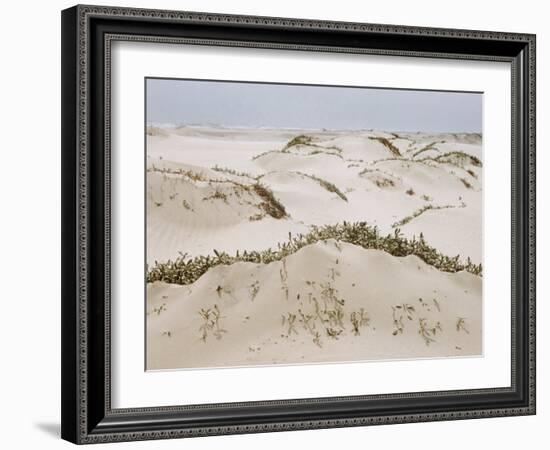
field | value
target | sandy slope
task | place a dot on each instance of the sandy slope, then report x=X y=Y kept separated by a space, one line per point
x=374 y=182
x=254 y=331
x=202 y=197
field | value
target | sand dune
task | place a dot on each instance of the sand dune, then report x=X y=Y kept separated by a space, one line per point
x=323 y=286
x=212 y=190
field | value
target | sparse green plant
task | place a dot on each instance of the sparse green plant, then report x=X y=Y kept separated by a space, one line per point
x=332 y=333
x=269 y=204
x=330 y=187
x=217 y=195
x=307 y=321
x=160 y=309
x=298 y=140
x=290 y=322
x=388 y=144
x=461 y=325
x=379 y=177
x=186 y=271
x=359 y=319
x=430 y=146
x=399 y=313
x=211 y=323
x=428 y=332
x=420 y=211
x=220 y=290
x=233 y=172
x=186 y=205
x=306 y=141
x=254 y=289
x=192 y=175
x=317 y=339
x=459 y=159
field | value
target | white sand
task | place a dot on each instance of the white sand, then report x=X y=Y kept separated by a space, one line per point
x=192 y=210
x=254 y=332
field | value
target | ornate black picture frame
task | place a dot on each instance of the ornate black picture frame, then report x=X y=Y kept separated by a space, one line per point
x=87 y=34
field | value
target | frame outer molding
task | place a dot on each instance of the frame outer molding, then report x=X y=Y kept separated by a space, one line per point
x=76 y=218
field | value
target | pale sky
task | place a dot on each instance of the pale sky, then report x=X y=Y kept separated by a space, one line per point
x=238 y=104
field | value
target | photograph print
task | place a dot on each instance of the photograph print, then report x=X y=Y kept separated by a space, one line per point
x=298 y=224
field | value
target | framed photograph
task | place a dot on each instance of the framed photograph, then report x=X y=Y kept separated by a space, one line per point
x=279 y=224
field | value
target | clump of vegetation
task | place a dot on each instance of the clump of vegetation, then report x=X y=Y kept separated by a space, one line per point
x=428 y=332
x=233 y=172
x=410 y=191
x=187 y=271
x=388 y=144
x=430 y=146
x=269 y=203
x=186 y=205
x=254 y=289
x=298 y=140
x=422 y=210
x=399 y=313
x=219 y=195
x=459 y=159
x=359 y=319
x=330 y=187
x=220 y=290
x=380 y=178
x=384 y=182
x=427 y=198
x=325 y=312
x=160 y=309
x=211 y=323
x=318 y=149
x=192 y=175
x=466 y=183
x=289 y=321
x=461 y=325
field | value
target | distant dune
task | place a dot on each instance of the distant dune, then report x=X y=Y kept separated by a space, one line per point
x=216 y=190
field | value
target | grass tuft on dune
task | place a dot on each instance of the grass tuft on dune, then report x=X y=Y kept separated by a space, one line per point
x=387 y=143
x=270 y=204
